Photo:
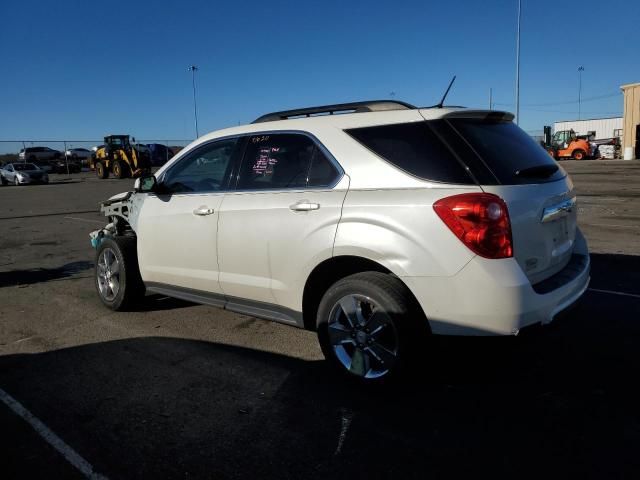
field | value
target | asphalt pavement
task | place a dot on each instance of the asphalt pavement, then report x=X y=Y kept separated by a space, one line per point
x=176 y=390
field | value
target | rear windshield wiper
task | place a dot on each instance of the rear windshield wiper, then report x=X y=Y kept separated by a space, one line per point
x=540 y=171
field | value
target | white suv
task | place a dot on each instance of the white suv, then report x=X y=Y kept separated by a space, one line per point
x=374 y=223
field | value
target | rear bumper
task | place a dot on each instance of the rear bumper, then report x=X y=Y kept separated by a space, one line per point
x=494 y=297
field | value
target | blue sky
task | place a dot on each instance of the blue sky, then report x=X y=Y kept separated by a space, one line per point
x=82 y=69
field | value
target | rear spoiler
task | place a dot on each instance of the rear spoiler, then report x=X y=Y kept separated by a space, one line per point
x=492 y=115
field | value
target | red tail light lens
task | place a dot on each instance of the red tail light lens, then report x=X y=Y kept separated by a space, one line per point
x=480 y=221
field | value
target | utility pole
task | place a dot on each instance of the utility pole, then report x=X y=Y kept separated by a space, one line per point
x=518 y=64
x=490 y=98
x=580 y=70
x=193 y=69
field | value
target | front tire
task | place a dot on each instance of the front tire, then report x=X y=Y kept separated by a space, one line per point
x=101 y=170
x=117 y=276
x=368 y=326
x=119 y=170
x=579 y=154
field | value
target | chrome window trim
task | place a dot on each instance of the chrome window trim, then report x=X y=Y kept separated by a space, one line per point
x=240 y=136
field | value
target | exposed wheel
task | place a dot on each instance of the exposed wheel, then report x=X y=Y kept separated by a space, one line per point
x=578 y=154
x=117 y=276
x=101 y=170
x=119 y=169
x=367 y=326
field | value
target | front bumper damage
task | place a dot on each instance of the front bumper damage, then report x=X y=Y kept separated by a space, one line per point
x=121 y=210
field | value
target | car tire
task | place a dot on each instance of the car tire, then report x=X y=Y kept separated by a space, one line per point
x=3 y=180
x=101 y=170
x=116 y=275
x=119 y=169
x=578 y=154
x=380 y=344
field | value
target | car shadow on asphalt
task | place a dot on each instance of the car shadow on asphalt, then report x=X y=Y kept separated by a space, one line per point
x=40 y=275
x=157 y=302
x=562 y=399
x=615 y=272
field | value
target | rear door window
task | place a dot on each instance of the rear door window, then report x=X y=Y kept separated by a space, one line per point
x=414 y=148
x=276 y=161
x=322 y=173
x=511 y=155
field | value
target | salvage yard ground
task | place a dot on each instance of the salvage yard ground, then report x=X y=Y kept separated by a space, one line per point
x=176 y=390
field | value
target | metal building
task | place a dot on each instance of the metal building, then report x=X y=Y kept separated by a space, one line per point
x=631 y=137
x=604 y=127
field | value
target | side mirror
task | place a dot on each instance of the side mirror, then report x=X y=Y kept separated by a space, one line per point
x=145 y=184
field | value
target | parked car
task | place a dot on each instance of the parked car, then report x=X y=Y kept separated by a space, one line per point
x=65 y=166
x=22 y=174
x=45 y=166
x=34 y=154
x=376 y=224
x=78 y=154
x=160 y=154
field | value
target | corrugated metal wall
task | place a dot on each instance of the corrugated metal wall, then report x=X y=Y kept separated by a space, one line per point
x=604 y=127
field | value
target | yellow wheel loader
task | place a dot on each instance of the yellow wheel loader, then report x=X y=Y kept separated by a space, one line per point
x=121 y=157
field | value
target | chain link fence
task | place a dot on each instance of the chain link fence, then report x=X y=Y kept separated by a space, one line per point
x=78 y=152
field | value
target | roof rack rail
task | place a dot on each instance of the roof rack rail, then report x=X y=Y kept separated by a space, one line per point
x=354 y=107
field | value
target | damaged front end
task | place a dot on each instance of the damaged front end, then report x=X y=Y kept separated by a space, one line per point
x=122 y=213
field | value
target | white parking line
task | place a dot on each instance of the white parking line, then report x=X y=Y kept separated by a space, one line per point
x=612 y=292
x=347 y=417
x=85 y=220
x=51 y=438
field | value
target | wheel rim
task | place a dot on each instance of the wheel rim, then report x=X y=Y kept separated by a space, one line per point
x=108 y=273
x=363 y=336
x=116 y=169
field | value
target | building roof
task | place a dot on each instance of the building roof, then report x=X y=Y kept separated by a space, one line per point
x=629 y=85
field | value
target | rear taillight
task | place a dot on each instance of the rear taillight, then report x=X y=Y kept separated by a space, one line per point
x=480 y=221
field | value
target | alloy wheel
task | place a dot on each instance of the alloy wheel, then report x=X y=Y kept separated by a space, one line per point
x=364 y=337
x=108 y=273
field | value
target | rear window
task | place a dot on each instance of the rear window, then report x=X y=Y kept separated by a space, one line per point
x=414 y=148
x=512 y=156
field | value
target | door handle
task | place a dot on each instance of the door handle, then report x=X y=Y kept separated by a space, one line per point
x=304 y=206
x=203 y=211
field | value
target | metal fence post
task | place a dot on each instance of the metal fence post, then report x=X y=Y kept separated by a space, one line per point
x=66 y=158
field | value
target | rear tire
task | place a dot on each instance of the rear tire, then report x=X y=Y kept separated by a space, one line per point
x=369 y=326
x=117 y=276
x=578 y=154
x=101 y=170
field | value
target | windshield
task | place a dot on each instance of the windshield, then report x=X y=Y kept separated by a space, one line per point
x=18 y=167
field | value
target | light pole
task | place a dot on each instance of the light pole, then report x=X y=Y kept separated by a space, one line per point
x=580 y=70
x=518 y=65
x=193 y=69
